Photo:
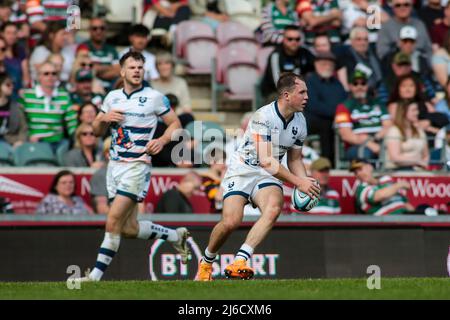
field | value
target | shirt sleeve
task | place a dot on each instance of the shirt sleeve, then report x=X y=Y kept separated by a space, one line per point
x=70 y=117
x=162 y=105
x=106 y=104
x=343 y=117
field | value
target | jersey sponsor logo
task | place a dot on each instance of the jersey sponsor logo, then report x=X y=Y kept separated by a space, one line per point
x=231 y=185
x=264 y=124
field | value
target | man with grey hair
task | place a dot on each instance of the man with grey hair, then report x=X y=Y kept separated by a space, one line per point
x=390 y=31
x=360 y=57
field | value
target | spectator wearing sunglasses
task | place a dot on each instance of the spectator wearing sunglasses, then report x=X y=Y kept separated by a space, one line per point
x=389 y=34
x=103 y=55
x=86 y=152
x=360 y=56
x=48 y=109
x=290 y=56
x=361 y=120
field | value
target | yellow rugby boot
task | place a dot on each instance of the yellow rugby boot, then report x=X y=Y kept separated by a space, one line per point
x=204 y=272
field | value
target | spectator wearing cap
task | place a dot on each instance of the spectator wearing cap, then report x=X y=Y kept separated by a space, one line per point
x=390 y=31
x=407 y=45
x=431 y=14
x=440 y=30
x=320 y=17
x=104 y=56
x=276 y=16
x=401 y=66
x=83 y=90
x=325 y=92
x=362 y=121
x=139 y=37
x=329 y=202
x=378 y=196
x=290 y=56
x=359 y=56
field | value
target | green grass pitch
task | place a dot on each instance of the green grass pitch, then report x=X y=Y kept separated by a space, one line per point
x=391 y=288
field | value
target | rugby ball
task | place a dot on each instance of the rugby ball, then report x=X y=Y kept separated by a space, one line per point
x=302 y=202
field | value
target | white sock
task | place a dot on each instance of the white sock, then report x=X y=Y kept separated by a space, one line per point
x=209 y=257
x=245 y=252
x=148 y=230
x=108 y=249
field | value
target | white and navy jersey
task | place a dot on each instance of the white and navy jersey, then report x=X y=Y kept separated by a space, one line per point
x=267 y=124
x=141 y=110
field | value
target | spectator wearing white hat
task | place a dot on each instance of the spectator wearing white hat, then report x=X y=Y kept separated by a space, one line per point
x=389 y=34
x=407 y=44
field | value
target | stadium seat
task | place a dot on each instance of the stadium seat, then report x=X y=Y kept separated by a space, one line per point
x=263 y=57
x=235 y=72
x=196 y=45
x=6 y=154
x=61 y=151
x=34 y=154
x=233 y=31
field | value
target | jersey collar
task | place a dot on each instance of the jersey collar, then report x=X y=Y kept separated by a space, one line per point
x=135 y=91
x=285 y=123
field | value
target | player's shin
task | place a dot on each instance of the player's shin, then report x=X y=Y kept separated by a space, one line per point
x=108 y=249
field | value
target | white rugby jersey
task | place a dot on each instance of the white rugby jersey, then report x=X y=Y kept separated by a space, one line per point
x=141 y=110
x=268 y=124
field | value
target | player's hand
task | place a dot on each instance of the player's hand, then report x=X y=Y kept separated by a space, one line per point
x=309 y=186
x=154 y=146
x=114 y=116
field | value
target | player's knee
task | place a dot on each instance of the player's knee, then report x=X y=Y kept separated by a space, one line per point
x=272 y=211
x=231 y=224
x=130 y=230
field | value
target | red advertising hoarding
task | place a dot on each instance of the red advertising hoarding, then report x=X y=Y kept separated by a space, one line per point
x=25 y=190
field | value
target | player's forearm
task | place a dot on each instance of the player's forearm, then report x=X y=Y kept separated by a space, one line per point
x=297 y=167
x=276 y=169
x=167 y=136
x=100 y=126
x=386 y=193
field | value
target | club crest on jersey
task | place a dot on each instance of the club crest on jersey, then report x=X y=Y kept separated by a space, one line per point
x=142 y=99
x=231 y=185
x=294 y=131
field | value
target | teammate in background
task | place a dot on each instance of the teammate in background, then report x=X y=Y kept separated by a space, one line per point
x=132 y=113
x=255 y=174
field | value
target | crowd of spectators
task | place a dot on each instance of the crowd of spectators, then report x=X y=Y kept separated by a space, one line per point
x=377 y=74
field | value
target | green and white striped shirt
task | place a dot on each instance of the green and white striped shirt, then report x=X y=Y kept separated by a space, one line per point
x=48 y=118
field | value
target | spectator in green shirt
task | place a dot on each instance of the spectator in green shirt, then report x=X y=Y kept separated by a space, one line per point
x=103 y=55
x=48 y=109
x=378 y=196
